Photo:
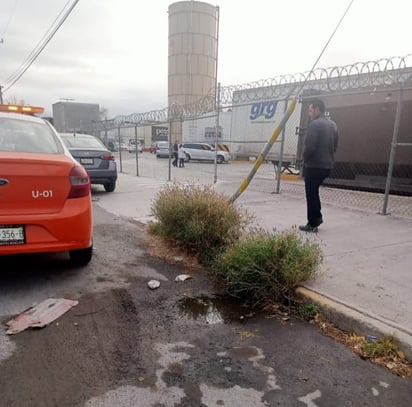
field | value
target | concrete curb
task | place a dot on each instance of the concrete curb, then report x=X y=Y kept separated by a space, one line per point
x=357 y=321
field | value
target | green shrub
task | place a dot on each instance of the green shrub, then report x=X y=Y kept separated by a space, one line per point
x=386 y=346
x=154 y=228
x=267 y=267
x=198 y=219
x=307 y=311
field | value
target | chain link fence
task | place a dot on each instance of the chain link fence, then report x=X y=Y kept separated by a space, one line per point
x=369 y=101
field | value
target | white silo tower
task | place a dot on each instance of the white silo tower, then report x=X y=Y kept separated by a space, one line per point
x=193 y=45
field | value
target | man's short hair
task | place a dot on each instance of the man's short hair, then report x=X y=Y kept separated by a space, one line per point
x=320 y=104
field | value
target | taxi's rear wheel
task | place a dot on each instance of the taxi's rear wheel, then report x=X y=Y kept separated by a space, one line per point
x=110 y=186
x=81 y=257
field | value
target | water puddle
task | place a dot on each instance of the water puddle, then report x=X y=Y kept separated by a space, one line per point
x=216 y=309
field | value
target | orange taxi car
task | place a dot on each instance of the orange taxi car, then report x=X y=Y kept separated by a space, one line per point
x=45 y=198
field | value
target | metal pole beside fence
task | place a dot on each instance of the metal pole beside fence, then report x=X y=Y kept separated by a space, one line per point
x=137 y=152
x=169 y=136
x=282 y=145
x=217 y=128
x=106 y=138
x=393 y=151
x=120 y=149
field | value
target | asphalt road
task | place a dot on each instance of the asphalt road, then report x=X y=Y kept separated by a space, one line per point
x=180 y=345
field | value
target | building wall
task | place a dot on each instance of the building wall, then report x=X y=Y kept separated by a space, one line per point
x=71 y=116
x=146 y=134
x=203 y=129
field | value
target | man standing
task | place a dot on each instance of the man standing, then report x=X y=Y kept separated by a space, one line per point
x=175 y=154
x=319 y=150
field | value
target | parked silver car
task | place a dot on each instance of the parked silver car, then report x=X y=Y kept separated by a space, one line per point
x=97 y=160
x=162 y=149
x=132 y=146
x=204 y=152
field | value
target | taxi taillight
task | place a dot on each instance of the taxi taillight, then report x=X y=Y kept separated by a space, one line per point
x=21 y=109
x=80 y=183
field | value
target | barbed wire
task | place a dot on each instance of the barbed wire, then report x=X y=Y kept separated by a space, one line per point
x=379 y=73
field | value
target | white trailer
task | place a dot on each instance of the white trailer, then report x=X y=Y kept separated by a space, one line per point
x=254 y=118
x=247 y=126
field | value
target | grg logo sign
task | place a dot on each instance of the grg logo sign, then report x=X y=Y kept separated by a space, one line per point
x=263 y=109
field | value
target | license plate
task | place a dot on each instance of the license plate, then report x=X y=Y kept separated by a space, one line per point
x=86 y=160
x=11 y=235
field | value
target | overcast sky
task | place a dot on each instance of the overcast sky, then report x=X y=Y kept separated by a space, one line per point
x=115 y=52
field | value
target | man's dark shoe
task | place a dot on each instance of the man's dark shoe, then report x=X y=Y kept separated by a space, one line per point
x=308 y=228
x=319 y=222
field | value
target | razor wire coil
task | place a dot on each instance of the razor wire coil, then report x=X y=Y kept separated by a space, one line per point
x=383 y=72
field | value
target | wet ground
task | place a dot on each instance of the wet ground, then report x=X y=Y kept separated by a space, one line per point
x=183 y=344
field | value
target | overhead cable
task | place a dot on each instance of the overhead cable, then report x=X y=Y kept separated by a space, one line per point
x=40 y=46
x=8 y=21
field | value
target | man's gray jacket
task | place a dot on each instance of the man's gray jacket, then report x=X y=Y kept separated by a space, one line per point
x=320 y=143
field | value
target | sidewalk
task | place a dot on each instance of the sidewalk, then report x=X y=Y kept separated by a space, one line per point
x=366 y=276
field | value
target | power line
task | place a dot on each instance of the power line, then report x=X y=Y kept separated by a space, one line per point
x=32 y=53
x=39 y=47
x=325 y=46
x=8 y=22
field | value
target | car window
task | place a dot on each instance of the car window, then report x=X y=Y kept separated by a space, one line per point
x=79 y=141
x=189 y=145
x=27 y=137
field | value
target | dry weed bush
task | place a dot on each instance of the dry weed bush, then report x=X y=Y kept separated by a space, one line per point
x=198 y=219
x=267 y=267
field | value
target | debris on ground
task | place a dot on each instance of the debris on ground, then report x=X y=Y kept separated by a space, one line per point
x=153 y=284
x=182 y=277
x=246 y=335
x=394 y=360
x=40 y=315
x=162 y=249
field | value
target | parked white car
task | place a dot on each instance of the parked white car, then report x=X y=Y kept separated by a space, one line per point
x=204 y=152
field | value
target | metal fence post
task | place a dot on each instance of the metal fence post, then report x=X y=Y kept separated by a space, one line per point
x=137 y=152
x=217 y=128
x=169 y=136
x=106 y=138
x=282 y=144
x=393 y=151
x=120 y=150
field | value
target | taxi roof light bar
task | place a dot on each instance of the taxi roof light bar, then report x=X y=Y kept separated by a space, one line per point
x=22 y=109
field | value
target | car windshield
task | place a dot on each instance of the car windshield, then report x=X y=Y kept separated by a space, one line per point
x=27 y=137
x=79 y=141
